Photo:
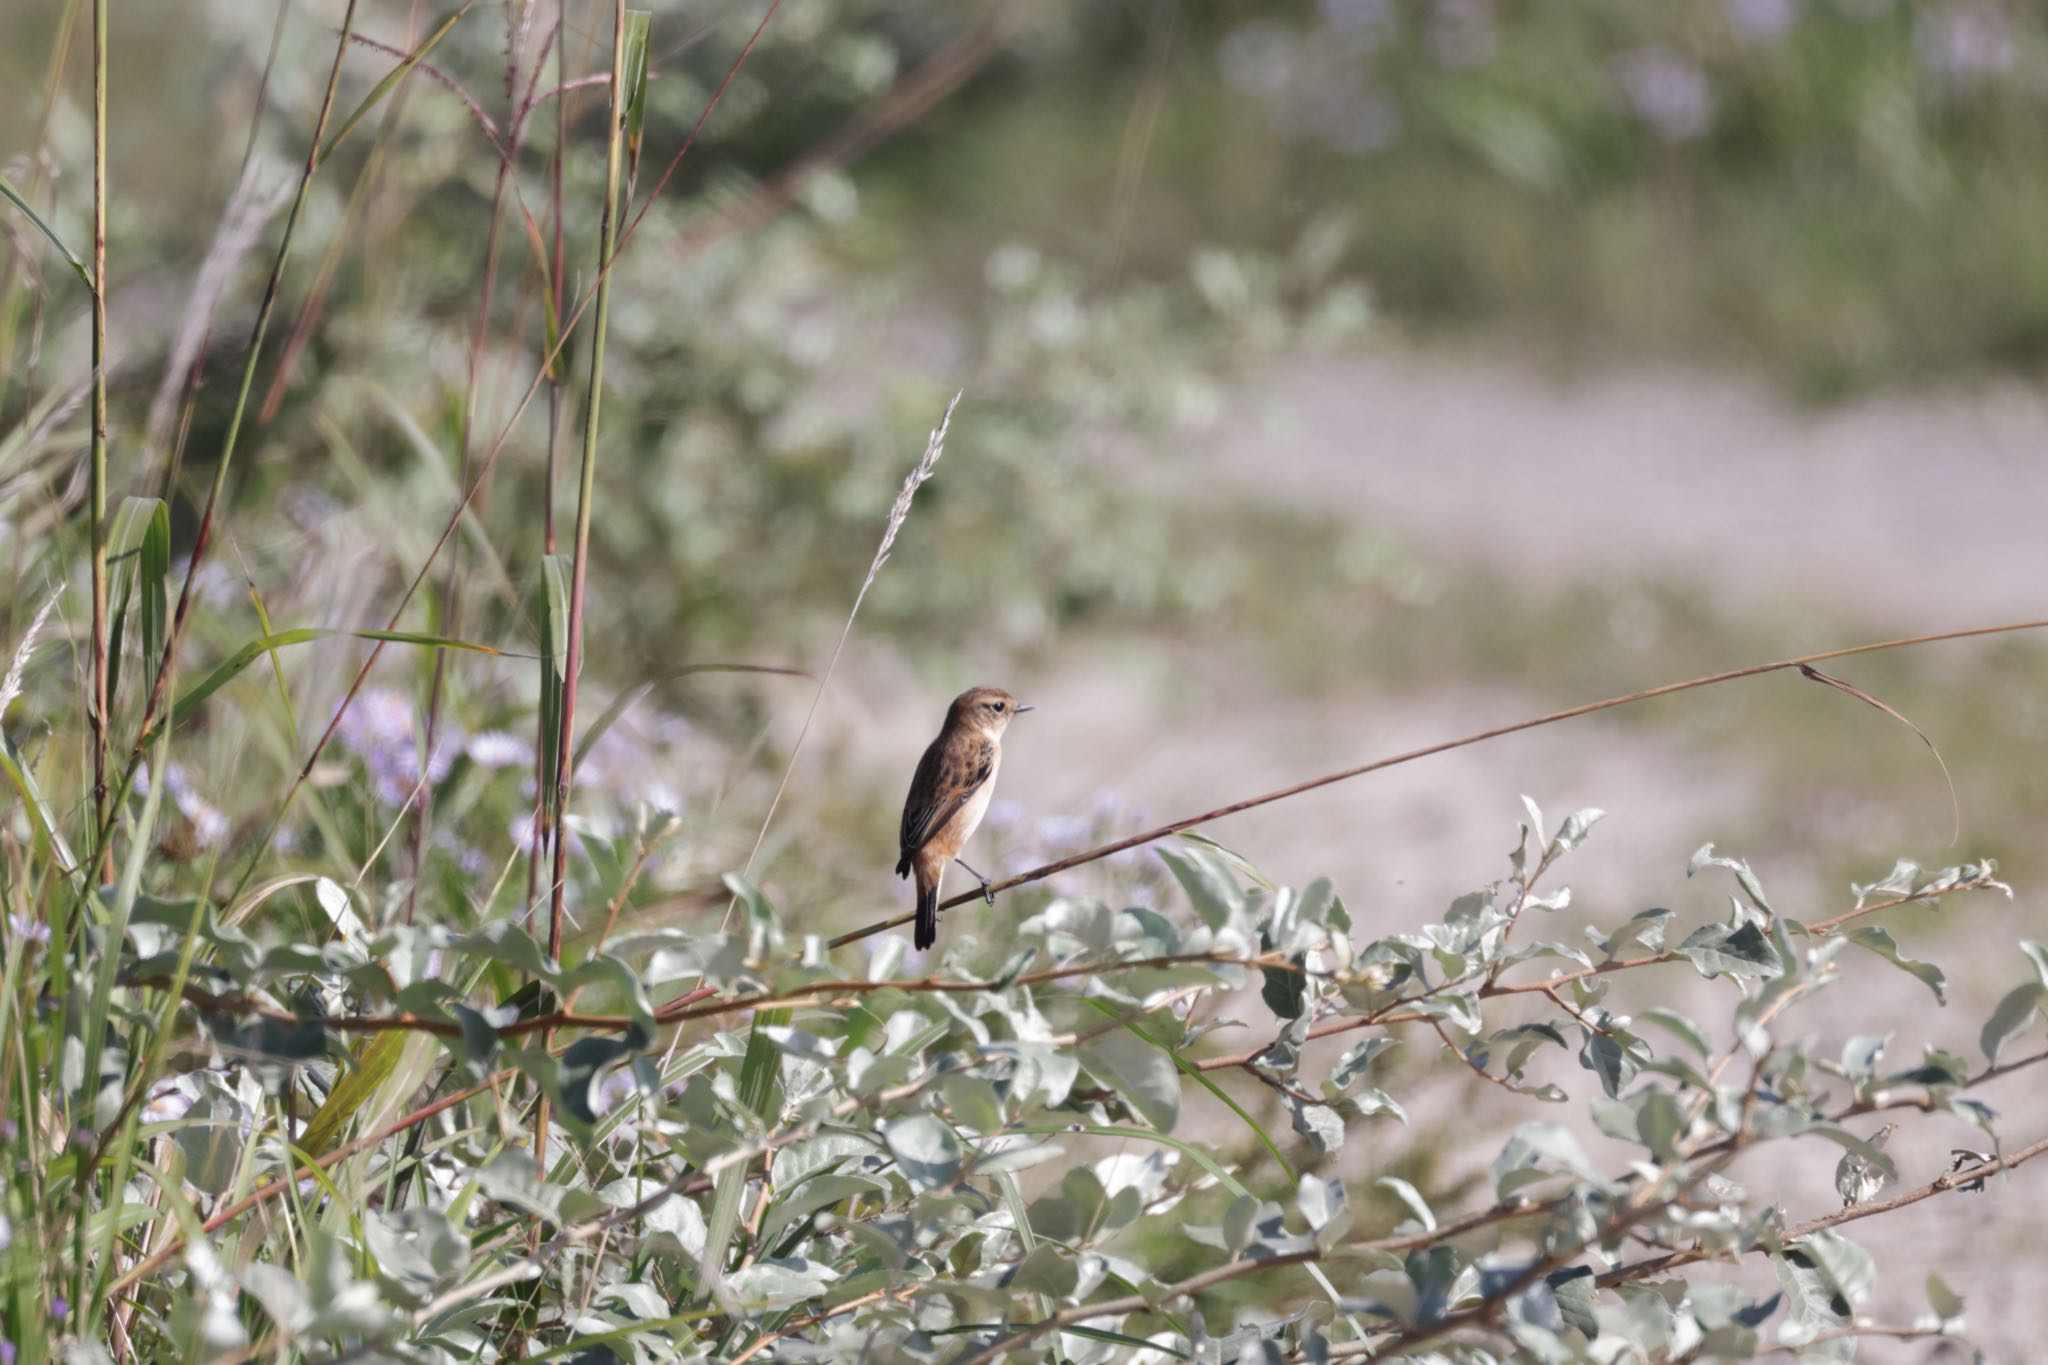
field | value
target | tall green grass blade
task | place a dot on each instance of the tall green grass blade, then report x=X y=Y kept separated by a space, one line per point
x=392 y=78
x=635 y=85
x=229 y=668
x=13 y=196
x=760 y=1069
x=554 y=643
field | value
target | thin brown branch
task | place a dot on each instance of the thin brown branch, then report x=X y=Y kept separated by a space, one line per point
x=1138 y=1303
x=1942 y=1184
x=271 y=1189
x=1150 y=836
x=688 y=1007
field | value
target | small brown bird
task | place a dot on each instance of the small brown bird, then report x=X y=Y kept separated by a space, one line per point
x=950 y=794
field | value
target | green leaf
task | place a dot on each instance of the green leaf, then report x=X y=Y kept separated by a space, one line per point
x=1846 y=1266
x=8 y=192
x=374 y=1064
x=2013 y=1014
x=255 y=649
x=1716 y=950
x=1203 y=1079
x=926 y=1150
x=1681 y=1027
x=1879 y=942
x=392 y=78
x=1211 y=889
x=1143 y=1074
x=1706 y=857
x=1643 y=932
x=1410 y=1196
x=1946 y=1303
x=634 y=81
x=780 y=1283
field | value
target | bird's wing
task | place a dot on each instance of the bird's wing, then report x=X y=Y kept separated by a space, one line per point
x=943 y=784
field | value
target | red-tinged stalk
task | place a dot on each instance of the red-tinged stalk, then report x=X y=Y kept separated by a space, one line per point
x=99 y=716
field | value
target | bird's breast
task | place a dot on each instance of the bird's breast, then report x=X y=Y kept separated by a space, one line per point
x=969 y=818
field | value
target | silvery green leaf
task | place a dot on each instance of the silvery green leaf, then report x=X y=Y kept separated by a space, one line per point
x=1643 y=932
x=925 y=1149
x=1880 y=942
x=1897 y=882
x=1322 y=907
x=1576 y=825
x=1573 y=1289
x=513 y=1178
x=1616 y=1118
x=1455 y=1008
x=280 y=1293
x=1284 y=989
x=1946 y=1303
x=764 y=929
x=1847 y=1266
x=1546 y=948
x=1228 y=857
x=1660 y=1122
x=1319 y=1123
x=1357 y=1060
x=1047 y=1269
x=1811 y=1299
x=675 y=1215
x=1544 y=1148
x=1410 y=1196
x=1143 y=1074
x=1680 y=1027
x=1717 y=950
x=2013 y=1014
x=973 y=1102
x=772 y=1283
x=1608 y=1060
x=1706 y=857
x=2037 y=955
x=1322 y=1203
x=1368 y=1103
x=1212 y=891
x=1535 y=819
x=1238 y=1222
x=888 y=956
x=416 y=1250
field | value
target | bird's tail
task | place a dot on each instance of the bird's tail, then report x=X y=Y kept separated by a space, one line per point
x=927 y=914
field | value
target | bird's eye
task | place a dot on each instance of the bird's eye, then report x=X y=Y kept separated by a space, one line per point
x=996 y=705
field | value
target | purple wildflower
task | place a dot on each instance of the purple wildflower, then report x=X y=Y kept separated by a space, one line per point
x=21 y=926
x=1667 y=92
x=1966 y=44
x=1760 y=21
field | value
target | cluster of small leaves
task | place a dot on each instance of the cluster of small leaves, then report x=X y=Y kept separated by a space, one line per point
x=757 y=1154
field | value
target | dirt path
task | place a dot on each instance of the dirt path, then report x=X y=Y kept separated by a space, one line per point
x=1914 y=511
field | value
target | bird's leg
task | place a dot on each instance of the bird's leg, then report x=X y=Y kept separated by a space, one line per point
x=987 y=892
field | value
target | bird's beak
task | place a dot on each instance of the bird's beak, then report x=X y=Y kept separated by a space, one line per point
x=1021 y=708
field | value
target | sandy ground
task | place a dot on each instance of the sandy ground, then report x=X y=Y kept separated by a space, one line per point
x=1903 y=514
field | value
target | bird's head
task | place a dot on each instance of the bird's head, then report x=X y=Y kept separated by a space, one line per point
x=987 y=709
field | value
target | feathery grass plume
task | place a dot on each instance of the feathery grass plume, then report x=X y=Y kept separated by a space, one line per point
x=899 y=512
x=10 y=686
